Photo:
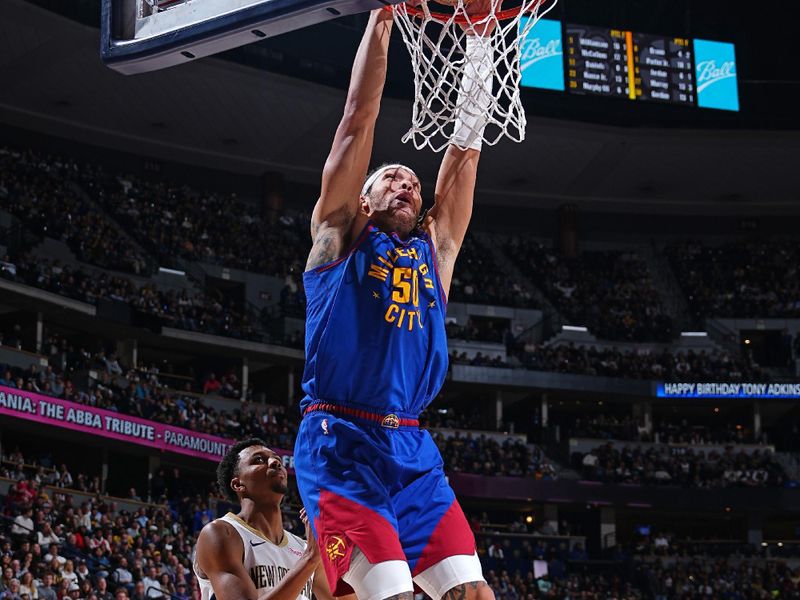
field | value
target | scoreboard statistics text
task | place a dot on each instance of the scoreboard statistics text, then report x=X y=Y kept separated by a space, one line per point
x=626 y=64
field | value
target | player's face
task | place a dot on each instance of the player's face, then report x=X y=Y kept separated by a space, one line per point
x=261 y=472
x=394 y=201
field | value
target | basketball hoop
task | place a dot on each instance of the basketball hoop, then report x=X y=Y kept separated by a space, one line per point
x=437 y=43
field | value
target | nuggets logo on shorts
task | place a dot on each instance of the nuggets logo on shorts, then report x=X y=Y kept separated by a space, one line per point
x=335 y=547
x=391 y=421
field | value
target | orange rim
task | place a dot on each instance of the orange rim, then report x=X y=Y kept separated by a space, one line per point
x=502 y=15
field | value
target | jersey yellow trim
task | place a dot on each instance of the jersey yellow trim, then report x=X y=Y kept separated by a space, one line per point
x=284 y=540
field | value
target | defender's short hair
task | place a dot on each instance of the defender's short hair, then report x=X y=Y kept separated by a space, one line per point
x=229 y=466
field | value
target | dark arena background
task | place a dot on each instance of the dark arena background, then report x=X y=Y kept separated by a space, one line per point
x=621 y=417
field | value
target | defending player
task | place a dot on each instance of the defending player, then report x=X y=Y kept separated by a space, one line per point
x=250 y=556
x=376 y=352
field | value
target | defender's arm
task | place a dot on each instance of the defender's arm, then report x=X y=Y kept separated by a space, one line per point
x=219 y=557
x=322 y=590
x=336 y=214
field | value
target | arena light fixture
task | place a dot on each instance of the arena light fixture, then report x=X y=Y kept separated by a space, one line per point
x=574 y=328
x=694 y=334
x=171 y=271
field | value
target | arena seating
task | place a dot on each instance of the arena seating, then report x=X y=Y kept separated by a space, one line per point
x=692 y=577
x=481 y=455
x=755 y=278
x=182 y=310
x=661 y=465
x=141 y=551
x=669 y=431
x=609 y=292
x=630 y=364
x=43 y=191
x=478 y=279
x=209 y=315
x=176 y=221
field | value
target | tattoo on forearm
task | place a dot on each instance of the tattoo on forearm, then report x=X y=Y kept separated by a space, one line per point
x=460 y=592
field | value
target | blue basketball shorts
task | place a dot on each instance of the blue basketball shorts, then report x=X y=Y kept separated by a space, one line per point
x=379 y=488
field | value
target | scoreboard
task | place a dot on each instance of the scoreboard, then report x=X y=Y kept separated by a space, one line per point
x=637 y=66
x=597 y=61
x=662 y=69
x=613 y=62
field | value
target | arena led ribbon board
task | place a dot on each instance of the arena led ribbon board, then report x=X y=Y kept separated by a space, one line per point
x=789 y=391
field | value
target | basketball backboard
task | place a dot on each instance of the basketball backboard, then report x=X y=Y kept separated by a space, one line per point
x=146 y=35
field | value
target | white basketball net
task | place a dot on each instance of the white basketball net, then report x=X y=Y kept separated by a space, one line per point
x=436 y=46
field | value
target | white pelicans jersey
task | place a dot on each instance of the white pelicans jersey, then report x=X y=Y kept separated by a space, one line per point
x=266 y=563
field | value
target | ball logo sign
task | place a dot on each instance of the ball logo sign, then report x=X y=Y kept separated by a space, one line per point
x=708 y=73
x=540 y=55
x=532 y=51
x=715 y=69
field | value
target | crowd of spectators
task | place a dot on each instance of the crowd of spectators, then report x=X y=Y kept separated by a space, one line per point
x=182 y=309
x=659 y=566
x=59 y=548
x=482 y=330
x=484 y=455
x=58 y=197
x=688 y=467
x=176 y=221
x=690 y=579
x=218 y=316
x=699 y=577
x=437 y=416
x=664 y=431
x=653 y=543
x=592 y=586
x=42 y=191
x=661 y=365
x=478 y=279
x=611 y=293
x=60 y=538
x=752 y=278
x=140 y=392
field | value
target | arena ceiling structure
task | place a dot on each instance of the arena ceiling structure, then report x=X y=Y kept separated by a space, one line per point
x=220 y=114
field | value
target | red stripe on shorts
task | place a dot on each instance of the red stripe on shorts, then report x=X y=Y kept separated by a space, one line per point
x=451 y=537
x=343 y=525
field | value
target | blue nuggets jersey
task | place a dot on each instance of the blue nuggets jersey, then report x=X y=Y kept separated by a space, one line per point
x=375 y=326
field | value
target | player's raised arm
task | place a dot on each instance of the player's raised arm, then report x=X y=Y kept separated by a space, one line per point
x=455 y=185
x=450 y=216
x=336 y=214
x=219 y=558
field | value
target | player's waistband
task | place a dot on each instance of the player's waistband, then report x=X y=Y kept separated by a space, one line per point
x=389 y=421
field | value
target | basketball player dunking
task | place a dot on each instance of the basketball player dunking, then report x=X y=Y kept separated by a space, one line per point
x=250 y=556
x=376 y=282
